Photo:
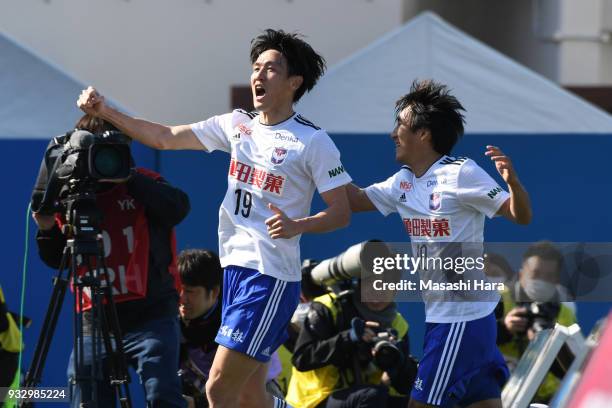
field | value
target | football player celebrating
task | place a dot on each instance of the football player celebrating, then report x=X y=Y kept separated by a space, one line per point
x=445 y=199
x=277 y=159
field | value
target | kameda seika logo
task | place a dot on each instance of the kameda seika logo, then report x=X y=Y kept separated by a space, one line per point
x=278 y=155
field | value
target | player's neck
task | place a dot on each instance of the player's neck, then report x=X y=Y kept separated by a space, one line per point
x=424 y=161
x=273 y=117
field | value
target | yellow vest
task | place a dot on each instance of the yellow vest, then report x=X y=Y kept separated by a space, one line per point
x=10 y=339
x=511 y=350
x=308 y=388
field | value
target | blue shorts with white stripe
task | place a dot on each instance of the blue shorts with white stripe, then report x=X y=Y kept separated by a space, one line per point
x=461 y=364
x=256 y=311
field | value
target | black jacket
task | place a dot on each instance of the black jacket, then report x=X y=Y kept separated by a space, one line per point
x=165 y=207
x=323 y=341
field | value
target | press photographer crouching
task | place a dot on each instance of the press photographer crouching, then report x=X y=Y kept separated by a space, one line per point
x=350 y=353
x=135 y=216
x=532 y=304
x=200 y=314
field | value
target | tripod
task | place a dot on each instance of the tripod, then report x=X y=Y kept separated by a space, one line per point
x=83 y=245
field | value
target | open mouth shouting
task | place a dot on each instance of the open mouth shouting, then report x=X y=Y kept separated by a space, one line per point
x=259 y=92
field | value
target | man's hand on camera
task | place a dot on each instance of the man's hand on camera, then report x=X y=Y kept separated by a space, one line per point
x=368 y=333
x=91 y=102
x=385 y=379
x=515 y=321
x=530 y=334
x=361 y=330
x=44 y=222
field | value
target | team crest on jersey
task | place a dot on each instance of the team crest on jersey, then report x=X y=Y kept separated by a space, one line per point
x=278 y=155
x=435 y=201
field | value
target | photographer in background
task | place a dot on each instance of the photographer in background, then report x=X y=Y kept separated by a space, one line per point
x=341 y=359
x=139 y=216
x=200 y=313
x=200 y=318
x=533 y=304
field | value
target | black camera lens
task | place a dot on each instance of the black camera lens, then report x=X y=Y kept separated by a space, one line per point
x=107 y=161
x=387 y=355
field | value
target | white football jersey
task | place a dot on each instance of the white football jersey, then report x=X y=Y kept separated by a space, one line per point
x=446 y=204
x=280 y=164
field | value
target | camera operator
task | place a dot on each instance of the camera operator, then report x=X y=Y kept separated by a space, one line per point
x=533 y=304
x=138 y=222
x=338 y=359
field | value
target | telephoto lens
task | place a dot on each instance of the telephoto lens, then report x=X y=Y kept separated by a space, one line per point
x=355 y=262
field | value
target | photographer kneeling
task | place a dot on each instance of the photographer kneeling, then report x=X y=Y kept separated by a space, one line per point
x=533 y=304
x=351 y=353
x=138 y=215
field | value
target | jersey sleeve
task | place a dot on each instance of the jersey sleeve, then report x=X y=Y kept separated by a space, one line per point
x=381 y=195
x=323 y=163
x=214 y=132
x=478 y=190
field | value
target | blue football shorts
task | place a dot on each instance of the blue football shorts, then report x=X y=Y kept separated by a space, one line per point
x=256 y=311
x=461 y=364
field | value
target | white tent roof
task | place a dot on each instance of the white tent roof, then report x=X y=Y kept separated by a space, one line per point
x=501 y=96
x=37 y=99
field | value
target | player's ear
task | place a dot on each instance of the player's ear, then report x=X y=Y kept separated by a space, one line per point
x=295 y=81
x=424 y=135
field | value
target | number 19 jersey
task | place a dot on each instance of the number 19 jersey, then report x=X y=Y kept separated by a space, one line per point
x=281 y=164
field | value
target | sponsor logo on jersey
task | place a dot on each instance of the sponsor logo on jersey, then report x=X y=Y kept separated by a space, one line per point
x=286 y=138
x=234 y=334
x=494 y=192
x=433 y=183
x=278 y=155
x=435 y=201
x=402 y=198
x=335 y=172
x=236 y=136
x=405 y=185
x=244 y=129
x=427 y=227
x=266 y=352
x=261 y=179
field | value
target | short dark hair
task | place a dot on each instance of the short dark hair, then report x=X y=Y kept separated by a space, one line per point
x=435 y=109
x=94 y=124
x=544 y=250
x=199 y=267
x=302 y=60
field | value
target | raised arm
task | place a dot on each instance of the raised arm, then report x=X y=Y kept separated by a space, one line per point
x=518 y=207
x=152 y=134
